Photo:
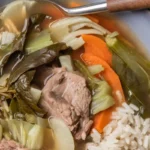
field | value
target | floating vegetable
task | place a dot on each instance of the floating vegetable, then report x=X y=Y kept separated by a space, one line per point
x=96 y=46
x=133 y=71
x=102 y=98
x=23 y=107
x=70 y=29
x=16 y=45
x=13 y=106
x=83 y=69
x=37 y=41
x=26 y=100
x=61 y=131
x=95 y=69
x=36 y=59
x=31 y=136
x=103 y=118
x=66 y=62
x=101 y=91
x=30 y=118
x=35 y=138
x=36 y=94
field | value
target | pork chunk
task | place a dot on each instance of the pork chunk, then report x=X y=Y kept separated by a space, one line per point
x=10 y=145
x=67 y=97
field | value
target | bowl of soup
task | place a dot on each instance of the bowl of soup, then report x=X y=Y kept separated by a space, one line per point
x=73 y=83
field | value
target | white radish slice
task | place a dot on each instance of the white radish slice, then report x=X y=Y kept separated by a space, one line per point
x=62 y=135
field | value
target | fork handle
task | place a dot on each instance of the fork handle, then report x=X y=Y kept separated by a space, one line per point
x=123 y=5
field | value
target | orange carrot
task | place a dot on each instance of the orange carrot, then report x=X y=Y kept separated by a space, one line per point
x=103 y=118
x=95 y=46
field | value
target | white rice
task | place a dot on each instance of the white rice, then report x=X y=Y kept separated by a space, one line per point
x=126 y=131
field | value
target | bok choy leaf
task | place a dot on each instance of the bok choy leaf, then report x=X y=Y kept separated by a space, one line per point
x=101 y=91
x=36 y=59
x=31 y=136
x=133 y=71
x=35 y=138
x=38 y=40
x=26 y=101
x=16 y=45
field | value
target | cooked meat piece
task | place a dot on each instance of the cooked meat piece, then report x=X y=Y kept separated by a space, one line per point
x=10 y=145
x=66 y=96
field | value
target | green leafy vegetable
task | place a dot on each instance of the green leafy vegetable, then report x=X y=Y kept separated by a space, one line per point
x=7 y=135
x=83 y=69
x=23 y=107
x=16 y=45
x=35 y=138
x=38 y=40
x=36 y=59
x=26 y=99
x=31 y=118
x=23 y=131
x=102 y=98
x=133 y=71
x=31 y=136
x=101 y=91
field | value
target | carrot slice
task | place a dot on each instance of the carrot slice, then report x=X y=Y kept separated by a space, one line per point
x=103 y=118
x=96 y=46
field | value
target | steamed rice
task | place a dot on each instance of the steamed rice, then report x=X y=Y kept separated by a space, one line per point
x=126 y=131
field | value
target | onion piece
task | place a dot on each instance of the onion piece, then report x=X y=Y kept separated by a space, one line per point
x=67 y=21
x=76 y=43
x=62 y=135
x=92 y=25
x=36 y=93
x=72 y=35
x=70 y=29
x=66 y=62
x=60 y=28
x=95 y=69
